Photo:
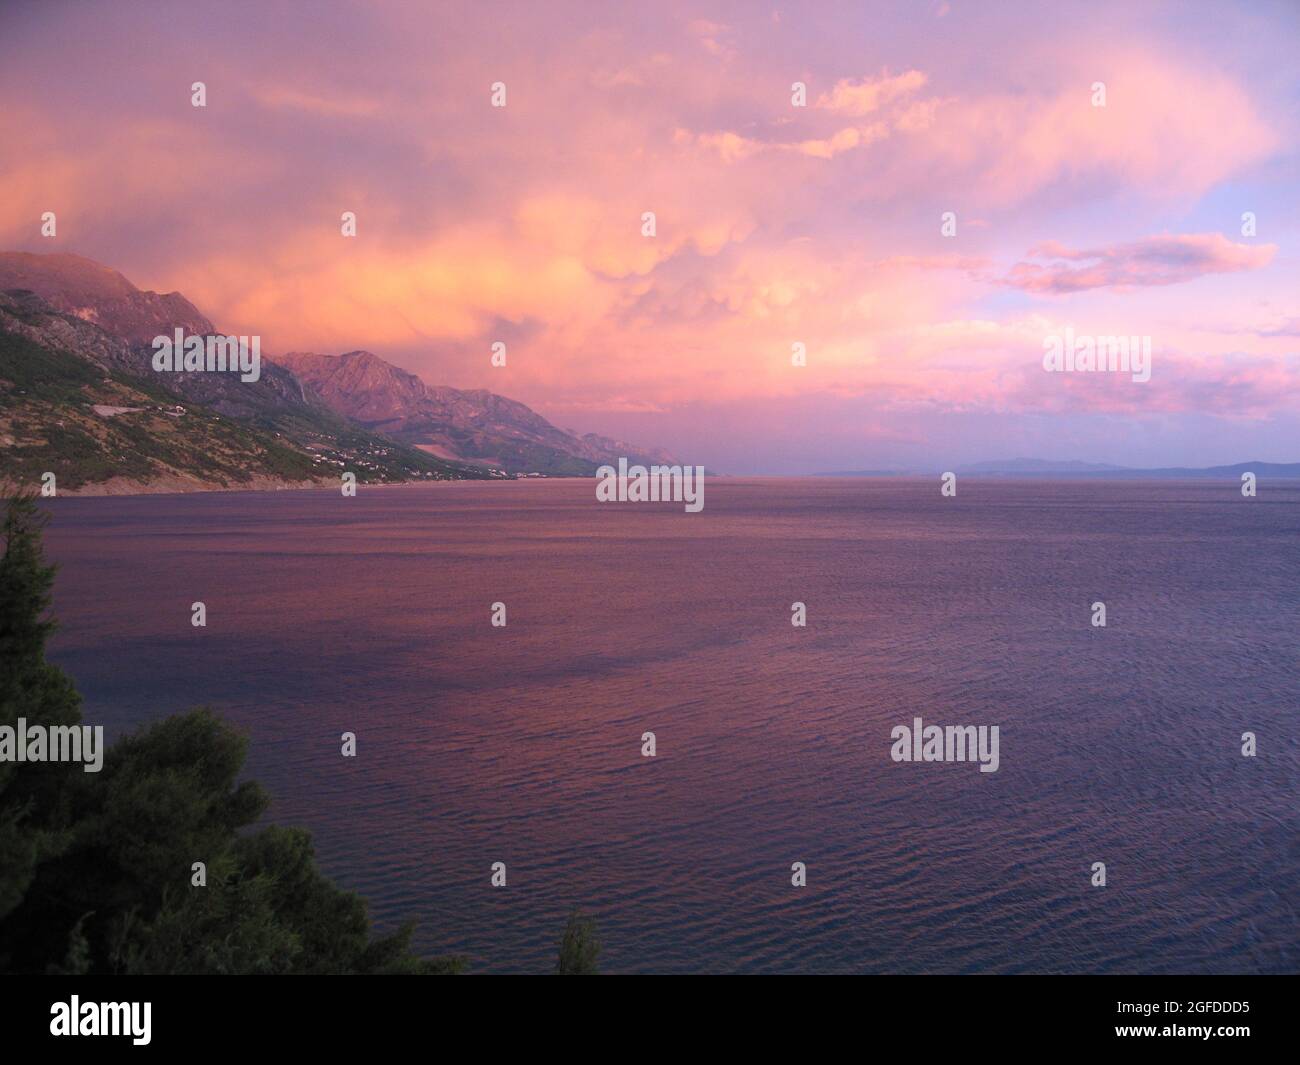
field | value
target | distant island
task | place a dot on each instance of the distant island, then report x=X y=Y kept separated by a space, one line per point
x=1094 y=470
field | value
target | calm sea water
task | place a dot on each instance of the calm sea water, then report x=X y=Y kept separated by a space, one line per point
x=522 y=745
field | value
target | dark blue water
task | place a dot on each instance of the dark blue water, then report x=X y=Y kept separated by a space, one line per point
x=522 y=745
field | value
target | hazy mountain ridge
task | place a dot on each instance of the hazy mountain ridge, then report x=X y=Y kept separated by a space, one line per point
x=472 y=424
x=1070 y=468
x=1101 y=470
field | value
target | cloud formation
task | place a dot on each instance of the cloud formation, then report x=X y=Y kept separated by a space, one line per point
x=1162 y=260
x=775 y=224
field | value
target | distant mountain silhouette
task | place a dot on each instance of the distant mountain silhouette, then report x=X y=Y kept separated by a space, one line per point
x=1037 y=466
x=1068 y=468
x=1099 y=470
x=474 y=425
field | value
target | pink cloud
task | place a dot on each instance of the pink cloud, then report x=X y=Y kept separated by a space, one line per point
x=775 y=224
x=862 y=96
x=1161 y=260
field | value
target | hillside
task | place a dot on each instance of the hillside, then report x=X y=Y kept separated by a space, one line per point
x=355 y=410
x=473 y=425
x=82 y=404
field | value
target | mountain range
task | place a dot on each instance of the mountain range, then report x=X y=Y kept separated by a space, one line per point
x=79 y=398
x=452 y=423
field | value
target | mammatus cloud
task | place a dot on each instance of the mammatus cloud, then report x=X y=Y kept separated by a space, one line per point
x=1162 y=260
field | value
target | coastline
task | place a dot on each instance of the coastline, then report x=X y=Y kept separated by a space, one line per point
x=180 y=486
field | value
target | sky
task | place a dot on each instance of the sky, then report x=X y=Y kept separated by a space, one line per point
x=775 y=225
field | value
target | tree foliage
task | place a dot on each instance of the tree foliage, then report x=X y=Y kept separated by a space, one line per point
x=579 y=947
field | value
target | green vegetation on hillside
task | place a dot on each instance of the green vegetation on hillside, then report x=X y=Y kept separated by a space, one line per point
x=48 y=422
x=87 y=422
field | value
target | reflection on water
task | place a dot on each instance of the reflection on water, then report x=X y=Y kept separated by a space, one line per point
x=522 y=744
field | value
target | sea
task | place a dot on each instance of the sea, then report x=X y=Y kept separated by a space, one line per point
x=524 y=743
